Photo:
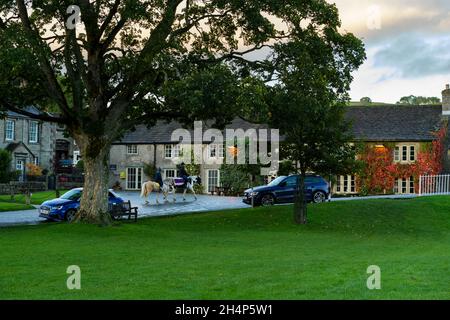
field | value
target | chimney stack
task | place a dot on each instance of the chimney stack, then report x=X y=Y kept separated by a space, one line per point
x=446 y=101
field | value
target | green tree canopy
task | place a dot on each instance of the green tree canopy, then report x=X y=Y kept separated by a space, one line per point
x=418 y=100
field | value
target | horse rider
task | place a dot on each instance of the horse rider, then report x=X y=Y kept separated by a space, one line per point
x=184 y=174
x=158 y=177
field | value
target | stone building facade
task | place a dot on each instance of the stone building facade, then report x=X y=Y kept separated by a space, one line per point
x=33 y=141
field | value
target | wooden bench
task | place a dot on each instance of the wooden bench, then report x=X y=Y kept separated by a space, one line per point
x=123 y=210
x=222 y=191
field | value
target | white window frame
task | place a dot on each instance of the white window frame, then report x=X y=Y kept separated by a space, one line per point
x=33 y=136
x=172 y=151
x=397 y=154
x=168 y=151
x=11 y=130
x=208 y=179
x=405 y=186
x=405 y=153
x=132 y=149
x=20 y=165
x=173 y=173
x=137 y=177
x=216 y=151
x=176 y=151
x=345 y=184
x=412 y=153
x=76 y=156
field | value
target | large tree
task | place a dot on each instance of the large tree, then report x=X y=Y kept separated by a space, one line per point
x=133 y=62
x=309 y=101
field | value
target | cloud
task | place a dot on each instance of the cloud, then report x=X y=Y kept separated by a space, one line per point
x=408 y=54
x=415 y=55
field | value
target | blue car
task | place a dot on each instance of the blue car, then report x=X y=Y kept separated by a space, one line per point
x=282 y=190
x=65 y=207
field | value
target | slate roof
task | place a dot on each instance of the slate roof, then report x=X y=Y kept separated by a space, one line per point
x=388 y=123
x=161 y=133
x=31 y=109
x=395 y=123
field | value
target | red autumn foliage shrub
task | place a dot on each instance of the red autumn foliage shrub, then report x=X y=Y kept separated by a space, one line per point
x=380 y=171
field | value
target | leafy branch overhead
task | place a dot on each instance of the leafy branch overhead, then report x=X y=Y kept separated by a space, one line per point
x=125 y=59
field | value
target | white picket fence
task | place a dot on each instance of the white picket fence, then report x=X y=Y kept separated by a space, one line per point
x=434 y=185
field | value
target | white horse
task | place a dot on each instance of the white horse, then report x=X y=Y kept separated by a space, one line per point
x=150 y=186
x=191 y=182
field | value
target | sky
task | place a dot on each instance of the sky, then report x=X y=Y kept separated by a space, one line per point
x=407 y=45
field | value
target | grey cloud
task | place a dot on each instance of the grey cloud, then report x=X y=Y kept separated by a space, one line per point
x=415 y=55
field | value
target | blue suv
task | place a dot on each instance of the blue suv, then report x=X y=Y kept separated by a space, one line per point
x=282 y=190
x=66 y=206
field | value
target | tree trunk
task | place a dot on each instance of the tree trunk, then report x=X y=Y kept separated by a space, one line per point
x=94 y=200
x=300 y=205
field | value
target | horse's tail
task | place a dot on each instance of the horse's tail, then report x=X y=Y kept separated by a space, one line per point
x=144 y=191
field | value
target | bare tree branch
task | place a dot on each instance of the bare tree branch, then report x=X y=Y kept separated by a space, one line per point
x=52 y=84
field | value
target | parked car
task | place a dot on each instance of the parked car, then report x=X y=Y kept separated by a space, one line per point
x=282 y=190
x=66 y=206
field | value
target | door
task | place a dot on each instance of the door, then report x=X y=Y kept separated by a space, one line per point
x=287 y=190
x=134 y=178
x=213 y=180
x=20 y=166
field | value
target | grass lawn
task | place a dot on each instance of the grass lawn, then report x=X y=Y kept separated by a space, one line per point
x=8 y=206
x=241 y=254
x=37 y=198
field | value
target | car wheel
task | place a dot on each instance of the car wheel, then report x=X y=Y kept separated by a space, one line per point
x=319 y=197
x=267 y=200
x=70 y=215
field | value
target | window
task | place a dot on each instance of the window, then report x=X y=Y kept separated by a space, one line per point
x=33 y=132
x=346 y=184
x=172 y=151
x=216 y=150
x=404 y=153
x=408 y=153
x=412 y=153
x=9 y=130
x=397 y=154
x=132 y=149
x=170 y=173
x=134 y=178
x=19 y=165
x=291 y=181
x=76 y=157
x=176 y=151
x=404 y=186
x=213 y=180
x=353 y=184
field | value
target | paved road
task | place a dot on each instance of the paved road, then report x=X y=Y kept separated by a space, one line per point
x=202 y=204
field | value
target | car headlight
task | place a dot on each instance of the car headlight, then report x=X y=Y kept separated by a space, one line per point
x=58 y=208
x=254 y=194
